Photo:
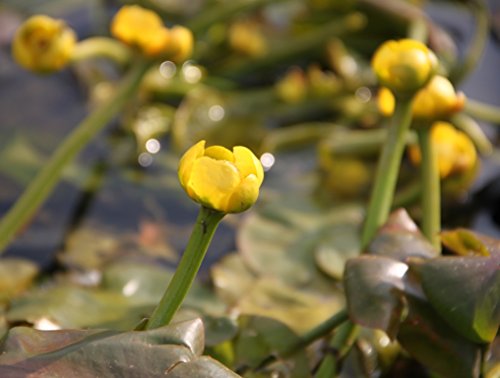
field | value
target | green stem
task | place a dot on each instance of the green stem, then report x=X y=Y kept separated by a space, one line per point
x=431 y=189
x=296 y=48
x=43 y=183
x=475 y=51
x=223 y=12
x=485 y=112
x=470 y=127
x=387 y=171
x=340 y=345
x=101 y=47
x=188 y=267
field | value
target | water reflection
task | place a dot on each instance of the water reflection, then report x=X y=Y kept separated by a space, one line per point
x=216 y=113
x=145 y=159
x=363 y=94
x=153 y=146
x=192 y=74
x=168 y=69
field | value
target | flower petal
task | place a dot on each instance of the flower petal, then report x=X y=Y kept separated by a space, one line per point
x=219 y=153
x=244 y=195
x=213 y=181
x=187 y=160
x=247 y=163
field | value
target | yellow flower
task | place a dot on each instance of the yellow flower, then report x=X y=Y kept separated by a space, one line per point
x=182 y=43
x=43 y=44
x=437 y=99
x=137 y=26
x=456 y=152
x=246 y=38
x=220 y=179
x=404 y=66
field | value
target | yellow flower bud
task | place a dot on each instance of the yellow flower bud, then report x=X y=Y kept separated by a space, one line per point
x=247 y=38
x=437 y=99
x=385 y=101
x=404 y=66
x=456 y=152
x=292 y=88
x=220 y=179
x=43 y=44
x=182 y=43
x=140 y=27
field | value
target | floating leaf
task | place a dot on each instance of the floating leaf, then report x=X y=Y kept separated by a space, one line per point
x=246 y=293
x=16 y=275
x=374 y=288
x=465 y=291
x=90 y=353
x=426 y=336
x=282 y=240
x=400 y=239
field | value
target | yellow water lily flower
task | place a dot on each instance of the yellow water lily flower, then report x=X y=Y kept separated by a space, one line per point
x=404 y=66
x=456 y=152
x=43 y=44
x=220 y=179
x=140 y=27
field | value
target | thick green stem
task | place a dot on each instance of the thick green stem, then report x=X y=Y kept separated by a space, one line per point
x=188 y=267
x=43 y=183
x=431 y=189
x=387 y=171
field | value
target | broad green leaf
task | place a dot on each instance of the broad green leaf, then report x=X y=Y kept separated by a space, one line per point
x=400 y=239
x=429 y=339
x=465 y=291
x=374 y=287
x=97 y=353
x=16 y=275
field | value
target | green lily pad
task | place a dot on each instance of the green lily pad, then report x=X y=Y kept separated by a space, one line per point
x=374 y=287
x=246 y=293
x=400 y=239
x=16 y=275
x=281 y=240
x=83 y=353
x=430 y=340
x=465 y=291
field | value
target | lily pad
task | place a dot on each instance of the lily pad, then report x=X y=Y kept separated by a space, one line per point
x=465 y=242
x=465 y=291
x=16 y=275
x=246 y=293
x=282 y=239
x=170 y=351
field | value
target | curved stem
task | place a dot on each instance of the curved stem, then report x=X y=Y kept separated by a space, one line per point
x=43 y=183
x=431 y=188
x=340 y=345
x=101 y=47
x=469 y=126
x=475 y=51
x=188 y=267
x=387 y=171
x=485 y=112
